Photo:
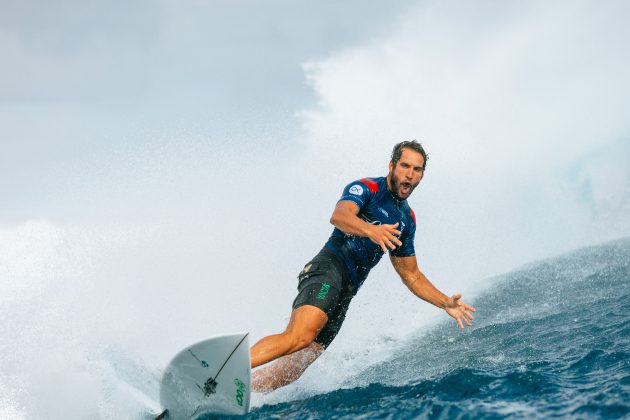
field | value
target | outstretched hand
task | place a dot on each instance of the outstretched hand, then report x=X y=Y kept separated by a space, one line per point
x=459 y=310
x=385 y=236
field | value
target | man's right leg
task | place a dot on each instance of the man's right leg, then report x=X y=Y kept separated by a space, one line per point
x=305 y=324
x=286 y=369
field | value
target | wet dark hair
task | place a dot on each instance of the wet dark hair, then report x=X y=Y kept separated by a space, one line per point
x=413 y=145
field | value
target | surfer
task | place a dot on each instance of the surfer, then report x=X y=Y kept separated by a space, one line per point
x=371 y=218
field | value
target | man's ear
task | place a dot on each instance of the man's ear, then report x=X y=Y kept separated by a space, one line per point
x=391 y=166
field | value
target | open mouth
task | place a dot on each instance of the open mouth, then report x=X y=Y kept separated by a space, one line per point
x=405 y=188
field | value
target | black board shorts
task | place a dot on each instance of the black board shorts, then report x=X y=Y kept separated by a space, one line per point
x=325 y=283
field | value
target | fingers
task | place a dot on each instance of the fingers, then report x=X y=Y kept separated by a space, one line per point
x=390 y=233
x=466 y=310
x=467 y=307
x=460 y=311
x=388 y=240
x=392 y=229
x=394 y=239
x=386 y=243
x=461 y=320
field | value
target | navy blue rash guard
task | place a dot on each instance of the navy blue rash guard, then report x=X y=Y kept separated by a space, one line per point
x=377 y=205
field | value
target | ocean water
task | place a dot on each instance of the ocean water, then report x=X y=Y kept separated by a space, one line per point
x=550 y=340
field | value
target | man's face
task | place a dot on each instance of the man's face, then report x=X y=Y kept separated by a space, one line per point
x=407 y=173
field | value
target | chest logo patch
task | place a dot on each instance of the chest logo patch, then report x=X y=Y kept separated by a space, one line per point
x=356 y=190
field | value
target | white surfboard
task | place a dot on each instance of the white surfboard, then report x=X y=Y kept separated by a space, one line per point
x=210 y=377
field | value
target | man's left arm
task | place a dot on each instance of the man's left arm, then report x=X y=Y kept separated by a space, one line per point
x=417 y=282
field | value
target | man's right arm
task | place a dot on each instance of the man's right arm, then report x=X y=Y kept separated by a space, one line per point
x=345 y=218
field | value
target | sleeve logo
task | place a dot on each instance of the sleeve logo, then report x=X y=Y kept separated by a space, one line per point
x=356 y=190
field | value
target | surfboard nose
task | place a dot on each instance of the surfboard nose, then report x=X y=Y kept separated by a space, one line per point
x=209 y=377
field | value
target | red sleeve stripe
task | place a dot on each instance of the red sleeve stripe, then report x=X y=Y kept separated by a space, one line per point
x=413 y=215
x=373 y=186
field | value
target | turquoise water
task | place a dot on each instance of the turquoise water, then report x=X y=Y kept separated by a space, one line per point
x=551 y=340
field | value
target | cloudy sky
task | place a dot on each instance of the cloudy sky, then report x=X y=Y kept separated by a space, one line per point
x=125 y=109
x=79 y=76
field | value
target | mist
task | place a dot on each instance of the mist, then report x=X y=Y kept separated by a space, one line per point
x=179 y=199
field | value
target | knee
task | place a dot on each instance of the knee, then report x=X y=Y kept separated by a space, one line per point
x=301 y=339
